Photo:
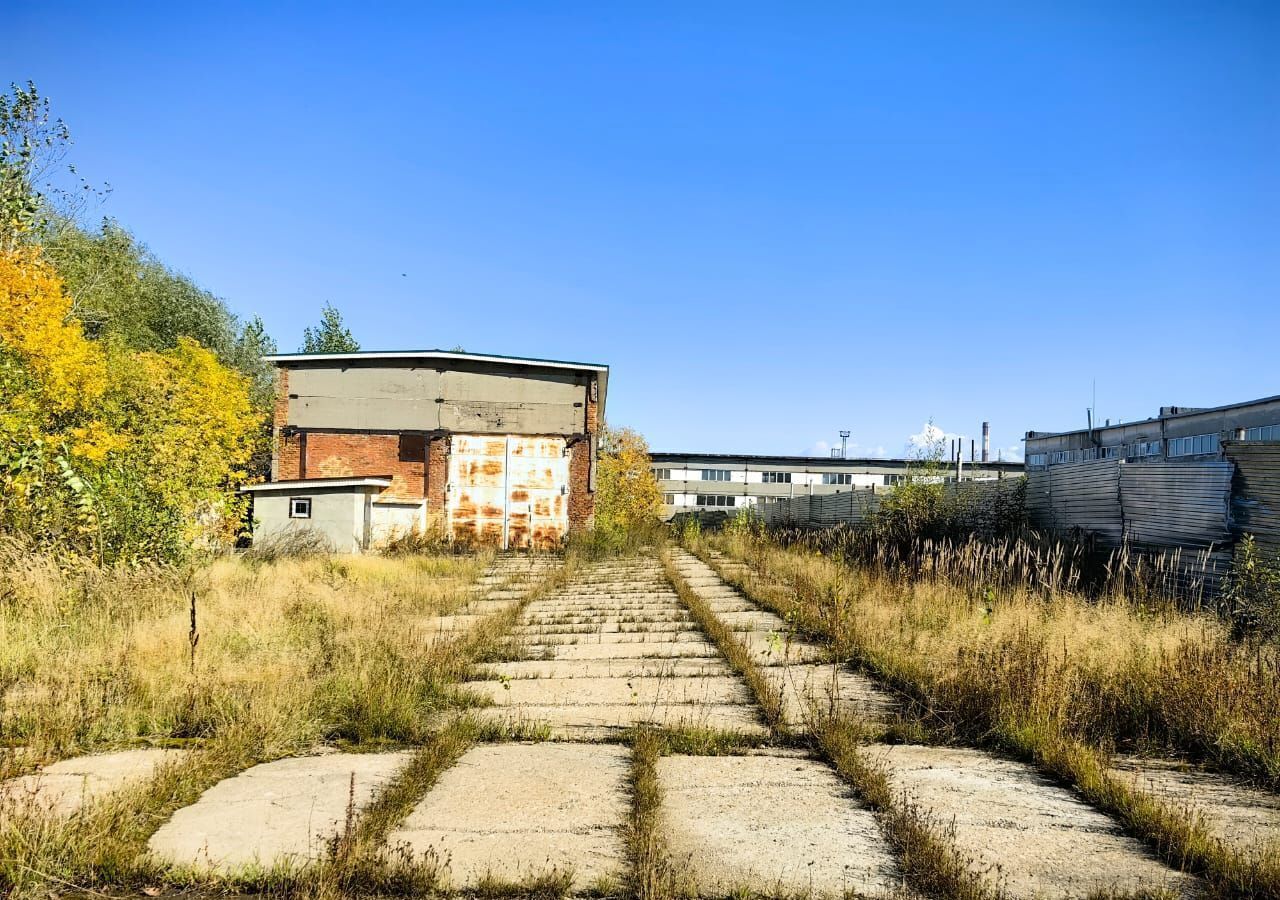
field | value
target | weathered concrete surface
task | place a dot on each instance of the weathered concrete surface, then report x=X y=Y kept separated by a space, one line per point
x=1025 y=834
x=1243 y=817
x=777 y=824
x=514 y=811
x=641 y=691
x=810 y=689
x=277 y=813
x=64 y=787
x=596 y=722
x=650 y=649
x=606 y=668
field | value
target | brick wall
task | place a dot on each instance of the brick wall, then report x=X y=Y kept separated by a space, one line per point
x=403 y=457
x=437 y=476
x=288 y=456
x=582 y=501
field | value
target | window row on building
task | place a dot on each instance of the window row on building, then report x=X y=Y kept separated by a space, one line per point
x=1192 y=445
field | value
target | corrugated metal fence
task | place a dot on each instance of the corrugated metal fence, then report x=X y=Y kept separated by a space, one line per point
x=1255 y=500
x=1151 y=505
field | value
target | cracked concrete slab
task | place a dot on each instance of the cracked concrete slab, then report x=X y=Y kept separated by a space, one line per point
x=588 y=722
x=1025 y=834
x=641 y=691
x=65 y=787
x=1242 y=817
x=513 y=811
x=280 y=813
x=807 y=689
x=772 y=824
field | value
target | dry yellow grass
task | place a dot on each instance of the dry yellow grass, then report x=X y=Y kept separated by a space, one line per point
x=304 y=650
x=1054 y=678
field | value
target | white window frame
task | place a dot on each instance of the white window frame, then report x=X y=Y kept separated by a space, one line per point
x=296 y=510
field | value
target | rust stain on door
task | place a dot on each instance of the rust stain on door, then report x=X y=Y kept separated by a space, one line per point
x=508 y=491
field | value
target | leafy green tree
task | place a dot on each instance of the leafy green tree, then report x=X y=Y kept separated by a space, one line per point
x=330 y=336
x=31 y=145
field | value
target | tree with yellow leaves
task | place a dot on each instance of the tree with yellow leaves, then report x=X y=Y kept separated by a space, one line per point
x=105 y=450
x=628 y=499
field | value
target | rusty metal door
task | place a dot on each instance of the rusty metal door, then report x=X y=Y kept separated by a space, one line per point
x=508 y=491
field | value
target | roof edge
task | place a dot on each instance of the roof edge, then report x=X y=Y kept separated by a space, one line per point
x=380 y=481
x=278 y=358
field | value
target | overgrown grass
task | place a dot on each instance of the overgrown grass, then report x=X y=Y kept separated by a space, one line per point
x=290 y=654
x=1051 y=678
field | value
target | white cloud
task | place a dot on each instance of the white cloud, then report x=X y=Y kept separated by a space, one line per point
x=930 y=437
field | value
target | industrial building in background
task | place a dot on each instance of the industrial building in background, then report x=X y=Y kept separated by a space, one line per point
x=491 y=449
x=1189 y=479
x=1177 y=433
x=693 y=482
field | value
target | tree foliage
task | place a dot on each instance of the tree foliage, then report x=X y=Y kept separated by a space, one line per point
x=628 y=498
x=106 y=450
x=330 y=336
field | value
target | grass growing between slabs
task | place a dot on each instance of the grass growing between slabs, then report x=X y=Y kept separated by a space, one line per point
x=925 y=852
x=1054 y=679
x=285 y=655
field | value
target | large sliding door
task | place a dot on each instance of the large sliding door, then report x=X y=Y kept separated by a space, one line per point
x=508 y=491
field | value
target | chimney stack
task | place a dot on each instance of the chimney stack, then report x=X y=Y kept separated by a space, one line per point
x=986 y=442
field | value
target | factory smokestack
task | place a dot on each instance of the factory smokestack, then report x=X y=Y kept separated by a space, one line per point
x=986 y=442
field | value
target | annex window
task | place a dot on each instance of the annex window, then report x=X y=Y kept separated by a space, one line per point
x=837 y=478
x=715 y=475
x=1034 y=459
x=1061 y=456
x=716 y=499
x=669 y=499
x=1144 y=448
x=1108 y=452
x=662 y=474
x=1194 y=445
x=1263 y=433
x=300 y=507
x=775 y=477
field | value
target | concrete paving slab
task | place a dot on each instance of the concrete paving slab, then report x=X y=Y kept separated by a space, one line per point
x=1242 y=817
x=616 y=637
x=643 y=691
x=774 y=824
x=816 y=687
x=65 y=787
x=1024 y=833
x=753 y=620
x=674 y=667
x=277 y=813
x=518 y=810
x=779 y=649
x=653 y=649
x=591 y=722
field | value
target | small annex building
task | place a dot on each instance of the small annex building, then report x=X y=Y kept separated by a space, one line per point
x=490 y=450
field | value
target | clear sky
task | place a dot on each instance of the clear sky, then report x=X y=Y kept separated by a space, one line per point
x=772 y=221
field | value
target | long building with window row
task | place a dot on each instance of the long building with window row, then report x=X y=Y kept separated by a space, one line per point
x=727 y=481
x=1177 y=433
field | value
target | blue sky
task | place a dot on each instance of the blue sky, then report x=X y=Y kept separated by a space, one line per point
x=772 y=221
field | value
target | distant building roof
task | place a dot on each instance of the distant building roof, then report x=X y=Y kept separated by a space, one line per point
x=768 y=460
x=1166 y=412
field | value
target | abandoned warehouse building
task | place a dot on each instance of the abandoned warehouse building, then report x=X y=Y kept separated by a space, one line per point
x=490 y=450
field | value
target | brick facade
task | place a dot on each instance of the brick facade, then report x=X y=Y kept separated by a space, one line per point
x=287 y=463
x=582 y=500
x=402 y=456
x=437 y=477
